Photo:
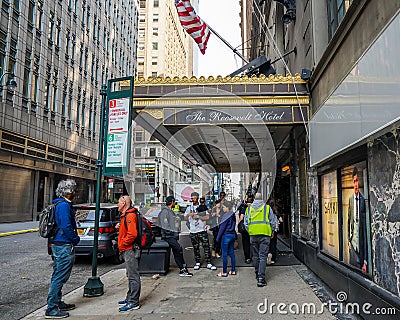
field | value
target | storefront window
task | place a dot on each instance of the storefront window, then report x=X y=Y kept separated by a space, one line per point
x=356 y=220
x=330 y=216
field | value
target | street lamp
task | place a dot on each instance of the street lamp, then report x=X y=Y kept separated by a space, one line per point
x=11 y=84
x=158 y=161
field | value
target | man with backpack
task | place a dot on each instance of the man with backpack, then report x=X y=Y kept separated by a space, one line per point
x=170 y=224
x=63 y=242
x=130 y=251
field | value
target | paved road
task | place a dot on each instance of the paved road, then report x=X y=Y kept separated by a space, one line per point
x=25 y=271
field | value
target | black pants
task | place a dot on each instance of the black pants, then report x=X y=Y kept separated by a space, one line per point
x=177 y=251
x=216 y=245
x=272 y=246
x=246 y=245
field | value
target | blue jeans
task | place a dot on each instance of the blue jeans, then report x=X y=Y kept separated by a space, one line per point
x=63 y=261
x=260 y=245
x=227 y=244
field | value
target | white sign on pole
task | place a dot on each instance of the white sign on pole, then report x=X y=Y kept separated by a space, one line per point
x=117 y=135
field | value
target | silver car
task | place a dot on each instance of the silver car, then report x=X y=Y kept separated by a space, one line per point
x=108 y=235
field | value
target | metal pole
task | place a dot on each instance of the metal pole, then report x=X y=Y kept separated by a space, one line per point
x=228 y=44
x=94 y=287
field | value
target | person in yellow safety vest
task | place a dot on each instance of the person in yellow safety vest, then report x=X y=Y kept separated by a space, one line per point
x=259 y=221
x=177 y=208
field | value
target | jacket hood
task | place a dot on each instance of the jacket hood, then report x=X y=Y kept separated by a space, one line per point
x=59 y=199
x=257 y=204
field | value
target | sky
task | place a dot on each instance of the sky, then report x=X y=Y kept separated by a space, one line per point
x=223 y=16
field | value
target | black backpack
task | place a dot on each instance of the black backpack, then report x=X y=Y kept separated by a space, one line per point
x=47 y=221
x=145 y=237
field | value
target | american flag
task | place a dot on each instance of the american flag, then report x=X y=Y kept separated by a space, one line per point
x=192 y=23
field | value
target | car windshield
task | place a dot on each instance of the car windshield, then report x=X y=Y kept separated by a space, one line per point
x=84 y=215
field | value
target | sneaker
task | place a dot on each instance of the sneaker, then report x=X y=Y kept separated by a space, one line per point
x=269 y=258
x=55 y=314
x=66 y=306
x=129 y=306
x=196 y=266
x=211 y=267
x=261 y=282
x=248 y=261
x=123 y=302
x=185 y=273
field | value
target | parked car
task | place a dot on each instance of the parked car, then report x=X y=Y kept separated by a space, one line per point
x=108 y=235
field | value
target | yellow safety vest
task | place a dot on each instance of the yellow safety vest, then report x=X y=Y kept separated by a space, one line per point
x=176 y=208
x=258 y=221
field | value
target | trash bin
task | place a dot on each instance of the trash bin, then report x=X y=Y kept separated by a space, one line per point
x=155 y=260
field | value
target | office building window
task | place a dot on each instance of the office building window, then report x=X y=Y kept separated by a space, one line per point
x=35 y=77
x=155 y=31
x=336 y=11
x=138 y=152
x=27 y=71
x=154 y=61
x=51 y=26
x=31 y=13
x=155 y=45
x=155 y=17
x=156 y=3
x=13 y=55
x=138 y=136
x=152 y=152
x=3 y=44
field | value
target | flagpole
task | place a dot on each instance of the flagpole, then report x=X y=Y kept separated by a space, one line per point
x=227 y=43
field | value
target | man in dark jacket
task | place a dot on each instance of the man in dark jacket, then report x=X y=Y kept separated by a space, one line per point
x=170 y=227
x=63 y=244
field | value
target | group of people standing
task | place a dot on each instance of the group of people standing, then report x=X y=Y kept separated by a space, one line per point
x=259 y=226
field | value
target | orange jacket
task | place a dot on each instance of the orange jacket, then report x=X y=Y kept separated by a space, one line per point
x=127 y=231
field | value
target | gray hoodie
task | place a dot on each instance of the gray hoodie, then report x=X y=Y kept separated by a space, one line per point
x=169 y=222
x=273 y=220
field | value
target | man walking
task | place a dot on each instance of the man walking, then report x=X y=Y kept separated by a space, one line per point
x=63 y=244
x=258 y=221
x=130 y=252
x=170 y=224
x=198 y=234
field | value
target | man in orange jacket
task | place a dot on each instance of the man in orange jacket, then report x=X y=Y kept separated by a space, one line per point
x=130 y=252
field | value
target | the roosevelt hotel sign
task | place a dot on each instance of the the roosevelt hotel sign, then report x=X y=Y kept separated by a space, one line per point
x=267 y=115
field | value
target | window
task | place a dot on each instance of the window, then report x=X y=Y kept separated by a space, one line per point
x=154 y=61
x=142 y=4
x=155 y=17
x=155 y=45
x=152 y=152
x=35 y=76
x=31 y=13
x=3 y=44
x=156 y=3
x=13 y=55
x=140 y=61
x=154 y=74
x=39 y=14
x=336 y=11
x=155 y=31
x=51 y=26
x=139 y=136
x=138 y=152
x=27 y=71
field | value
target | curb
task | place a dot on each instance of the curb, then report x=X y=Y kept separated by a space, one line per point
x=4 y=234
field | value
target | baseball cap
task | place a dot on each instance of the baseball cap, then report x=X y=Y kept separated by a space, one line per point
x=169 y=200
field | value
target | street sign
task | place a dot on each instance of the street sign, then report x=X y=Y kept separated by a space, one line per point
x=118 y=127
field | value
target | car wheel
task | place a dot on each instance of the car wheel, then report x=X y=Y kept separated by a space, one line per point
x=116 y=259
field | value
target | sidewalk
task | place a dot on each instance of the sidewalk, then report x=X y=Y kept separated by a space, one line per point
x=204 y=296
x=8 y=229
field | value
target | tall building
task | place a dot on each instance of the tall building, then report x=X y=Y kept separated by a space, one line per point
x=61 y=52
x=342 y=169
x=164 y=49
